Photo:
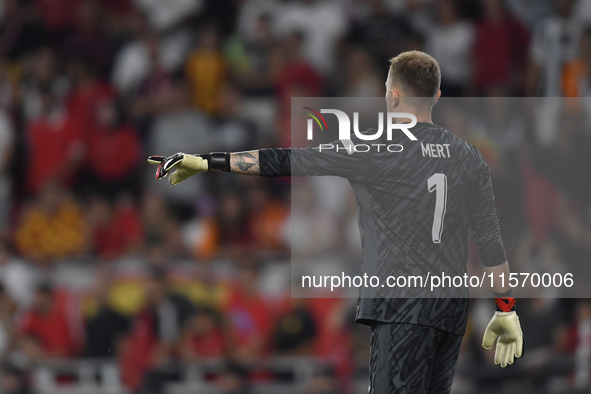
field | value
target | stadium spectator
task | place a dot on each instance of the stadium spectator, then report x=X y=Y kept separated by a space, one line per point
x=324 y=23
x=45 y=329
x=155 y=335
x=321 y=233
x=500 y=46
x=105 y=327
x=55 y=145
x=267 y=219
x=554 y=42
x=134 y=60
x=249 y=317
x=86 y=93
x=253 y=71
x=293 y=77
x=144 y=51
x=41 y=77
x=450 y=42
x=206 y=71
x=295 y=331
x=200 y=235
x=206 y=337
x=578 y=343
x=230 y=230
x=150 y=98
x=161 y=230
x=116 y=228
x=576 y=74
x=18 y=277
x=90 y=40
x=178 y=127
x=295 y=70
x=230 y=128
x=362 y=80
x=52 y=227
x=544 y=340
x=384 y=35
x=113 y=150
x=250 y=14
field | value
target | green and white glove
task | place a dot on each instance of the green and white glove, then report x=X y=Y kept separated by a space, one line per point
x=504 y=327
x=186 y=166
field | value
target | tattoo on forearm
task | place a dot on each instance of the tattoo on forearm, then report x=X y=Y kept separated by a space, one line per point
x=245 y=162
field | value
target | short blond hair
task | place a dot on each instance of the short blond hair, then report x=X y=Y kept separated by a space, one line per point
x=415 y=73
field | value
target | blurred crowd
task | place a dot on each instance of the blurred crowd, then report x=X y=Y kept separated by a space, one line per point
x=99 y=260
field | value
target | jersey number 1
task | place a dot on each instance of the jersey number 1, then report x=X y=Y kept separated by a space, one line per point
x=438 y=183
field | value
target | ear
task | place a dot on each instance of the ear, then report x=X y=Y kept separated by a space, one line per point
x=437 y=98
x=395 y=99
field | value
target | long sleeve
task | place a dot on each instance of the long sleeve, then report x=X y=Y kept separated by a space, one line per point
x=484 y=220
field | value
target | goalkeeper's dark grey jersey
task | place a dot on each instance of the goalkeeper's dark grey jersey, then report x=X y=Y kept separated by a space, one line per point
x=415 y=211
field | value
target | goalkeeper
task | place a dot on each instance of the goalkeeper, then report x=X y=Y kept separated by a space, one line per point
x=415 y=213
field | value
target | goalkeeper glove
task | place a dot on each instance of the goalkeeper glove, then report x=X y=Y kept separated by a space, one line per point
x=186 y=165
x=504 y=327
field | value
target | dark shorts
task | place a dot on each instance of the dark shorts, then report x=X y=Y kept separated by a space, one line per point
x=410 y=358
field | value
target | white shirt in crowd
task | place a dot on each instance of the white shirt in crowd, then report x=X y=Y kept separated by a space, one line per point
x=554 y=42
x=451 y=46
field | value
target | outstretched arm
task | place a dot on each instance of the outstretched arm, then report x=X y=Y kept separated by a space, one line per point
x=262 y=162
x=332 y=159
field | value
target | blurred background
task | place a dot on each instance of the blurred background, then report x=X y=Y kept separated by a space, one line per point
x=112 y=282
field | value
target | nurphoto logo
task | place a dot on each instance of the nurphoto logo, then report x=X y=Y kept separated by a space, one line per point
x=345 y=130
